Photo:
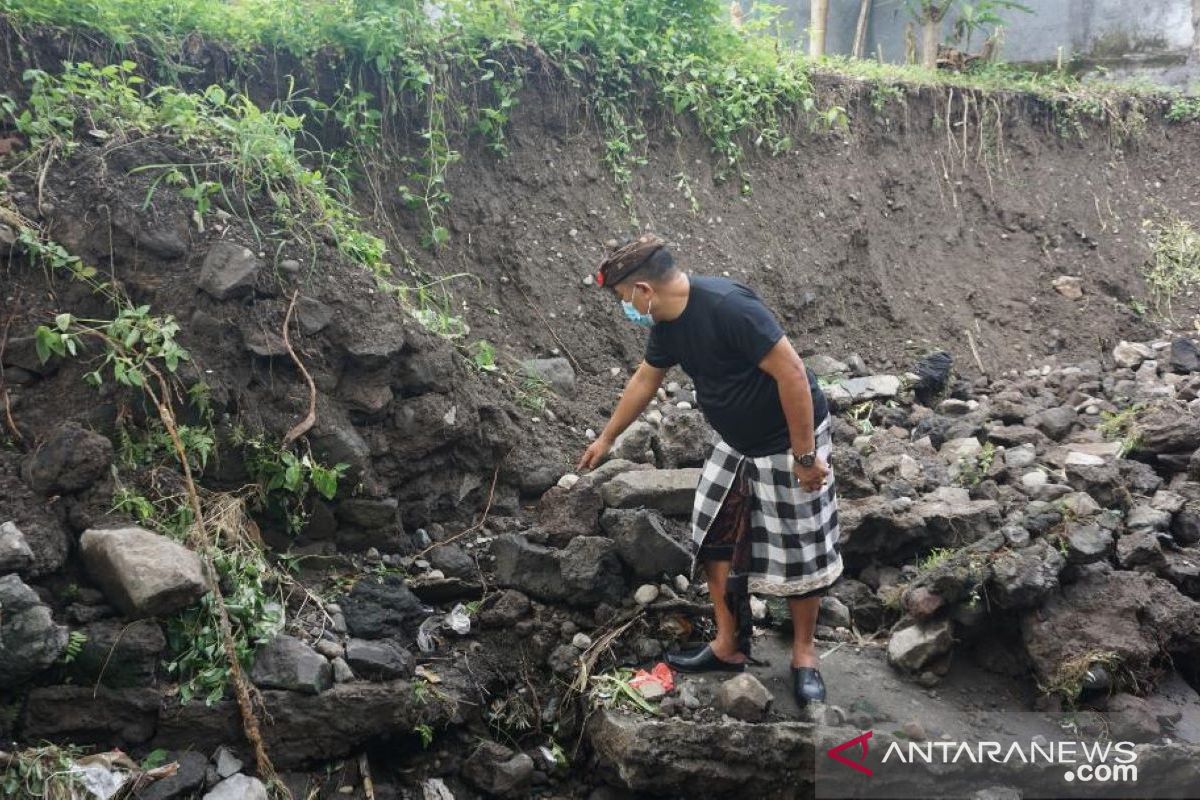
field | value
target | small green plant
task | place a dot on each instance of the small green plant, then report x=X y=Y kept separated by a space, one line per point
x=860 y=417
x=533 y=392
x=934 y=557
x=425 y=731
x=41 y=772
x=1122 y=426
x=285 y=479
x=1184 y=109
x=613 y=691
x=75 y=642
x=483 y=356
x=974 y=468
x=883 y=95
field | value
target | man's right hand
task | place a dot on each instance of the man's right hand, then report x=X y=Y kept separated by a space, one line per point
x=595 y=453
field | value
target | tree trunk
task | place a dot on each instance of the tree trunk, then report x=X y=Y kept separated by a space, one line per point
x=818 y=14
x=860 y=30
x=929 y=42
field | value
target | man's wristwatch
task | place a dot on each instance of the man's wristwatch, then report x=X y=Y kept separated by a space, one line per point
x=806 y=460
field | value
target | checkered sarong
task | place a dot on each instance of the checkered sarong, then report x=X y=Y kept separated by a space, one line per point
x=793 y=532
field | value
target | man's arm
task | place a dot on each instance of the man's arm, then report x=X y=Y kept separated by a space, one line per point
x=639 y=391
x=783 y=364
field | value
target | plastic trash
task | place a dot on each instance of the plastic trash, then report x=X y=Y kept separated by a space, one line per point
x=459 y=620
x=655 y=683
x=425 y=640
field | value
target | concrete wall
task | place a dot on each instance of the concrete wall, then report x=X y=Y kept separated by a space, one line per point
x=1118 y=32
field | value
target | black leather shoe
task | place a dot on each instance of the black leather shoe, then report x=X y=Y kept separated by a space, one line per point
x=807 y=685
x=703 y=661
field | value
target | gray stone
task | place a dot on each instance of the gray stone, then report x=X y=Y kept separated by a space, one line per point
x=744 y=697
x=685 y=439
x=238 y=787
x=341 y=670
x=1054 y=422
x=1024 y=578
x=643 y=543
x=375 y=346
x=142 y=573
x=313 y=315
x=384 y=609
x=636 y=443
x=1172 y=428
x=227 y=763
x=15 y=554
x=585 y=572
x=556 y=372
x=453 y=561
x=498 y=771
x=825 y=365
x=671 y=491
x=92 y=715
x=368 y=512
x=379 y=660
x=917 y=646
x=509 y=608
x=29 y=640
x=71 y=460
x=833 y=613
x=1185 y=355
x=118 y=654
x=229 y=271
x=186 y=780
x=1019 y=457
x=1139 y=549
x=646 y=594
x=288 y=663
x=1131 y=719
x=1087 y=542
x=1146 y=517
x=872 y=387
x=340 y=443
x=1131 y=354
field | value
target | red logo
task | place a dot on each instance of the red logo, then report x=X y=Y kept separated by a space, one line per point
x=836 y=752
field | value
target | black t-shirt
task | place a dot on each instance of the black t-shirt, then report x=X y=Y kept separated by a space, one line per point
x=719 y=340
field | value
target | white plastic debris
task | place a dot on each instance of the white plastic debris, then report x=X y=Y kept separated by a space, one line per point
x=458 y=620
x=435 y=789
x=425 y=641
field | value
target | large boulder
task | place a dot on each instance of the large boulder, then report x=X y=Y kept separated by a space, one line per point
x=29 y=640
x=288 y=663
x=142 y=573
x=564 y=513
x=91 y=715
x=670 y=491
x=118 y=654
x=1170 y=428
x=644 y=544
x=585 y=572
x=1135 y=616
x=71 y=460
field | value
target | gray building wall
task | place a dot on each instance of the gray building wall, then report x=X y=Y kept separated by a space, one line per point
x=1112 y=32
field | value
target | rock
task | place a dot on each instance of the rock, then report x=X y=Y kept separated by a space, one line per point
x=369 y=512
x=1086 y=542
x=581 y=641
x=341 y=670
x=1131 y=354
x=567 y=481
x=1074 y=457
x=671 y=491
x=646 y=594
x=509 y=607
x=1020 y=457
x=15 y=554
x=379 y=660
x=1139 y=549
x=92 y=715
x=872 y=387
x=1080 y=504
x=384 y=609
x=585 y=572
x=953 y=407
x=1169 y=429
x=922 y=603
x=833 y=613
x=1054 y=422
x=498 y=771
x=313 y=315
x=684 y=439
x=636 y=443
x=71 y=460
x=1185 y=355
x=288 y=663
x=337 y=442
x=186 y=780
x=229 y=271
x=825 y=365
x=142 y=573
x=1069 y=286
x=866 y=609
x=238 y=787
x=917 y=646
x=118 y=654
x=681 y=583
x=1136 y=616
x=744 y=697
x=1146 y=517
x=1024 y=578
x=452 y=560
x=1131 y=719
x=29 y=640
x=643 y=543
x=955 y=450
x=565 y=513
x=556 y=372
x=227 y=763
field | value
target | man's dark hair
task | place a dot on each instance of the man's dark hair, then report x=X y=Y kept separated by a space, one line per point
x=658 y=267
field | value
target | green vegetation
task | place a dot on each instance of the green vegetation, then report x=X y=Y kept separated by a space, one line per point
x=40 y=772
x=1122 y=426
x=974 y=468
x=1174 y=264
x=285 y=481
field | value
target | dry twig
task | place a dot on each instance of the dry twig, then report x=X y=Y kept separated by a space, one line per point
x=310 y=419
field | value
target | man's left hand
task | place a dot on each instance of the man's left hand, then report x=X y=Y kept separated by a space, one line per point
x=811 y=478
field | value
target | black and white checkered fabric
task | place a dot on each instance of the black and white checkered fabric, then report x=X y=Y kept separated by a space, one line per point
x=794 y=532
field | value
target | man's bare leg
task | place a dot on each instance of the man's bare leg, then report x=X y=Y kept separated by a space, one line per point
x=724 y=646
x=804 y=625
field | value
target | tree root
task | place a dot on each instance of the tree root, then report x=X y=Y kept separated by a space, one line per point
x=310 y=419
